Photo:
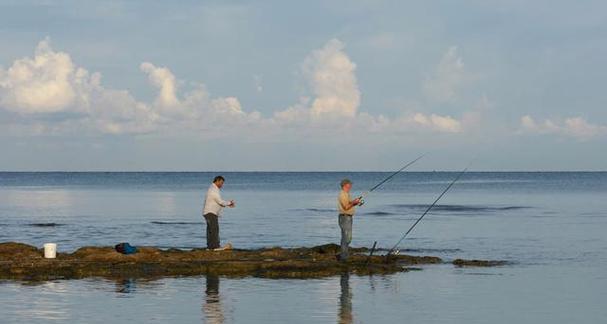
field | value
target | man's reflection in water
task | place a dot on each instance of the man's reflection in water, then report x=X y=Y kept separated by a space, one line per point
x=212 y=308
x=345 y=300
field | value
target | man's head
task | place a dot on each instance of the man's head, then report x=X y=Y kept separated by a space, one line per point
x=346 y=185
x=218 y=181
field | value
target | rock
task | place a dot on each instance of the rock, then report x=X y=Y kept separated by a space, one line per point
x=330 y=248
x=333 y=248
x=478 y=263
x=14 y=251
x=24 y=262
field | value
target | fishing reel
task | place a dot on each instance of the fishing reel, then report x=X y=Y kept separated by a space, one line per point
x=361 y=201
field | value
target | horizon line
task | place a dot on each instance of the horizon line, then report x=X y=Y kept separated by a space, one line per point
x=281 y=171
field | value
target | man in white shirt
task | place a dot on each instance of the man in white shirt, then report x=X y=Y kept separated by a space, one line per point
x=213 y=205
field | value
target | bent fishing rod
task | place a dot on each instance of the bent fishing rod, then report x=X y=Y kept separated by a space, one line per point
x=394 y=248
x=364 y=194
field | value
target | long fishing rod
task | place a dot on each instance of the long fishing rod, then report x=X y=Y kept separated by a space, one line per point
x=426 y=212
x=364 y=194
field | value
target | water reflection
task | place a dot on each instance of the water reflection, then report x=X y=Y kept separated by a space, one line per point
x=165 y=203
x=37 y=198
x=345 y=300
x=125 y=286
x=44 y=307
x=212 y=308
x=128 y=287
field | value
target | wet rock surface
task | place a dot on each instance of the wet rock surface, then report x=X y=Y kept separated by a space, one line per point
x=24 y=262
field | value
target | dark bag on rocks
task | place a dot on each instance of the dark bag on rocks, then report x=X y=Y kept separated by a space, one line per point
x=125 y=248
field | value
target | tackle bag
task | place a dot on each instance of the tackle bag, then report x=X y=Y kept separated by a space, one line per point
x=125 y=248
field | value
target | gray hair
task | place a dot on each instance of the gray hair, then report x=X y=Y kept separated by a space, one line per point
x=345 y=182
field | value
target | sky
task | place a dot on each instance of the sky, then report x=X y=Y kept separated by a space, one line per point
x=302 y=85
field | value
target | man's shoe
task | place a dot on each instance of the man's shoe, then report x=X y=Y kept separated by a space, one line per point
x=226 y=247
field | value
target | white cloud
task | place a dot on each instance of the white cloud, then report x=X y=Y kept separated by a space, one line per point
x=330 y=73
x=576 y=127
x=449 y=75
x=50 y=83
x=164 y=79
x=579 y=127
x=409 y=123
x=439 y=123
x=529 y=124
x=117 y=112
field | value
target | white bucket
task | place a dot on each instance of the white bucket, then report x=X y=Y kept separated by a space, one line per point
x=50 y=250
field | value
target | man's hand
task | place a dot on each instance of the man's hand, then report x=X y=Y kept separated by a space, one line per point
x=360 y=201
x=356 y=202
x=232 y=204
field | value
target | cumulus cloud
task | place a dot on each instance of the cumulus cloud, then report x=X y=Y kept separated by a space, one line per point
x=51 y=83
x=48 y=82
x=576 y=127
x=448 y=76
x=164 y=79
x=331 y=75
x=118 y=112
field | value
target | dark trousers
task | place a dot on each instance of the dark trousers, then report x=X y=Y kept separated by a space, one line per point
x=212 y=231
x=345 y=223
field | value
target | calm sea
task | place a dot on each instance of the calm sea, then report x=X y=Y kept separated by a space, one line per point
x=551 y=226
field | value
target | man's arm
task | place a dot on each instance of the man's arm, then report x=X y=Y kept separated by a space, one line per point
x=222 y=202
x=347 y=204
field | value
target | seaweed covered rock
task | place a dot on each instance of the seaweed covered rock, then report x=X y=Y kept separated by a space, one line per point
x=333 y=248
x=24 y=262
x=15 y=251
x=330 y=248
x=109 y=254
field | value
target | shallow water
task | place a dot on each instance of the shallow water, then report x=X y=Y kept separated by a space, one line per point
x=550 y=225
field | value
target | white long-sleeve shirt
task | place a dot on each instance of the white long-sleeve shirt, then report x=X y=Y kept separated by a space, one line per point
x=213 y=202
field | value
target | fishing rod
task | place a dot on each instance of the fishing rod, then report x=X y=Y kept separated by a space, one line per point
x=394 y=248
x=364 y=194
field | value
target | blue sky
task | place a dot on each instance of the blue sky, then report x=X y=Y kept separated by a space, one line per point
x=308 y=85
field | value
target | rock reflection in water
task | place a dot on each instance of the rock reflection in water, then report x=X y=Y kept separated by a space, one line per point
x=125 y=286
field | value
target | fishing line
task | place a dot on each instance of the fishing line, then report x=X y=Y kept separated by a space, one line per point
x=394 y=248
x=364 y=194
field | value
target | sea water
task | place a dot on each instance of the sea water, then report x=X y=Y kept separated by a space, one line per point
x=550 y=226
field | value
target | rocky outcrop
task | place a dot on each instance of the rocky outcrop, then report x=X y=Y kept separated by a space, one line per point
x=25 y=262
